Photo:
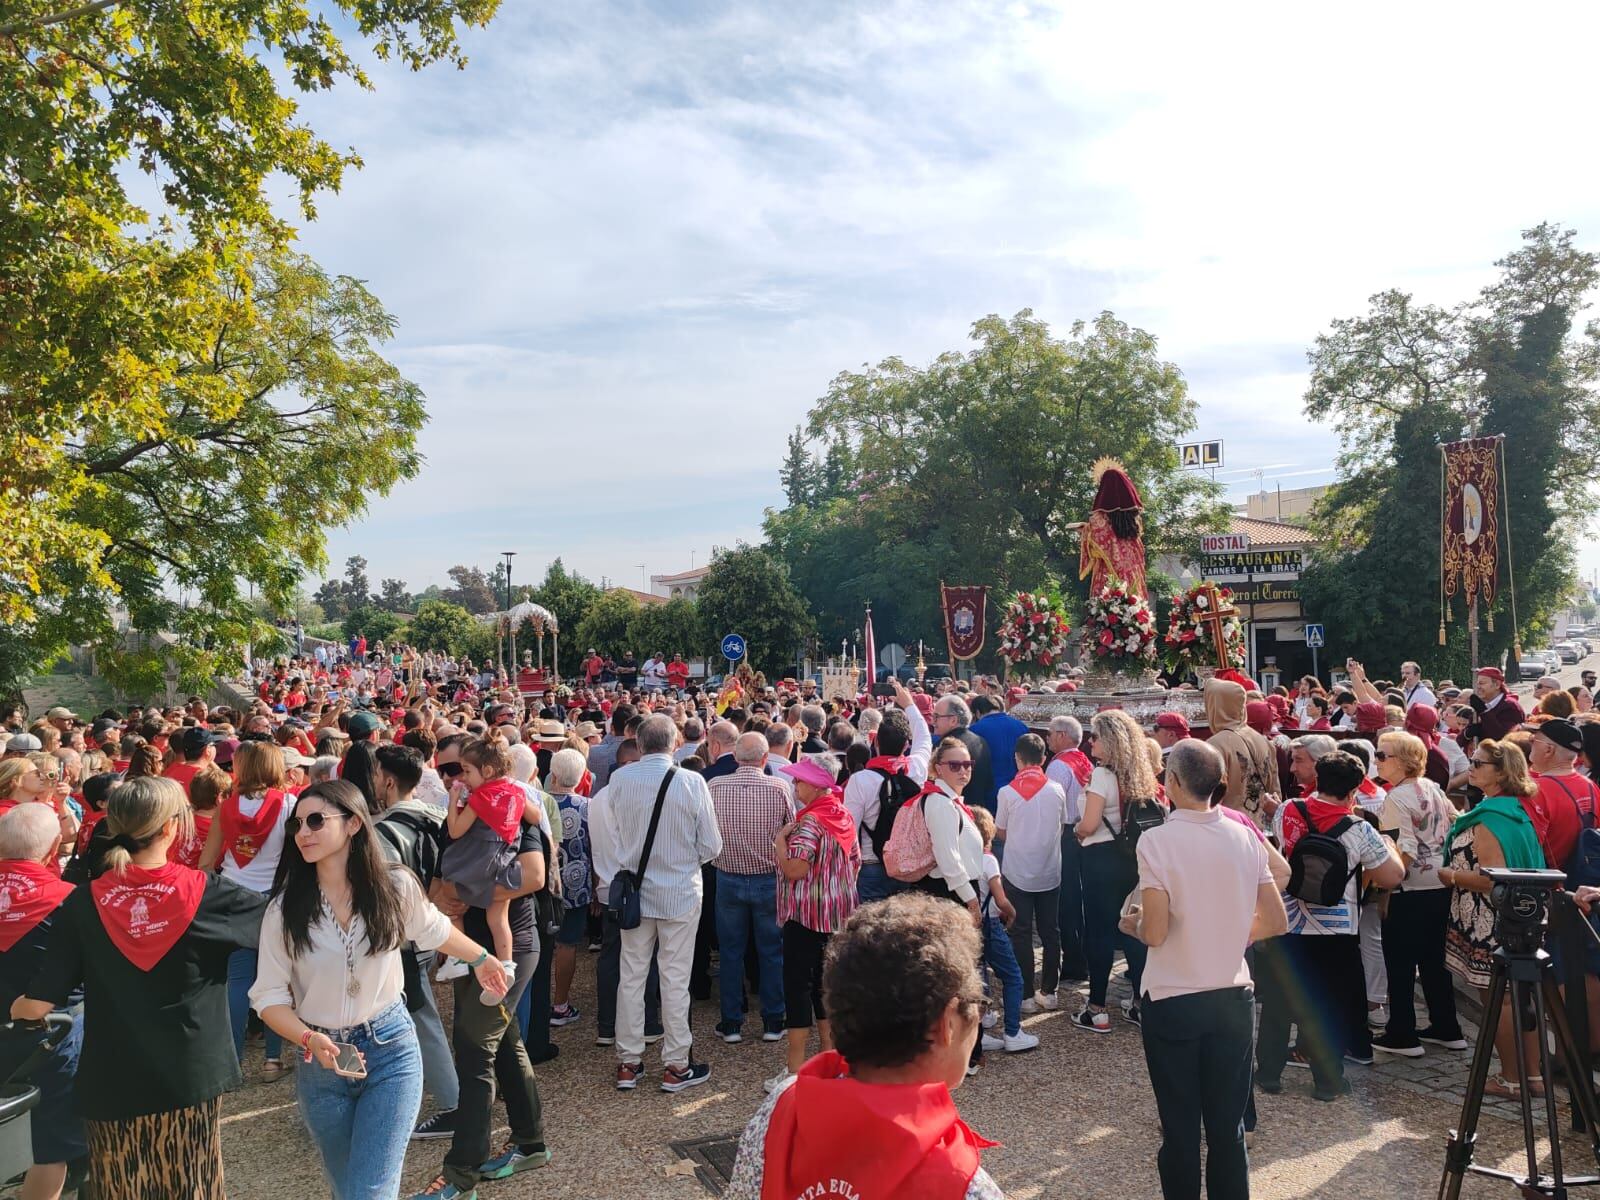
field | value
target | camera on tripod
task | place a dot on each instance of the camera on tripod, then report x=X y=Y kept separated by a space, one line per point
x=1521 y=901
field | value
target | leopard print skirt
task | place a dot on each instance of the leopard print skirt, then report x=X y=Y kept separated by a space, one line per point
x=164 y=1156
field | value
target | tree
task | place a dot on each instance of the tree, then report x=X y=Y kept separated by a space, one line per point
x=442 y=626
x=127 y=334
x=357 y=587
x=1406 y=377
x=566 y=594
x=747 y=591
x=971 y=468
x=606 y=623
x=676 y=627
x=377 y=625
x=330 y=597
x=393 y=596
x=798 y=473
x=472 y=590
x=303 y=422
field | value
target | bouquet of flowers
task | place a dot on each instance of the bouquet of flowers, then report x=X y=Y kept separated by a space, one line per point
x=1120 y=627
x=1033 y=630
x=1189 y=640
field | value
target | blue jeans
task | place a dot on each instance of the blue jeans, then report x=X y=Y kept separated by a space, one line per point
x=998 y=953
x=241 y=975
x=361 y=1126
x=1108 y=877
x=438 y=1064
x=744 y=901
x=874 y=883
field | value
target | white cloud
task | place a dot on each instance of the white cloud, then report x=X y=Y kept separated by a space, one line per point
x=628 y=246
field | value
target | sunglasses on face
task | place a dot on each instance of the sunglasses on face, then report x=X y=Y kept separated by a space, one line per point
x=312 y=821
x=957 y=764
x=1381 y=755
x=448 y=770
x=1484 y=762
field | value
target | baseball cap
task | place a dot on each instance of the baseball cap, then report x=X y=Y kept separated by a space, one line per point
x=195 y=741
x=58 y=713
x=363 y=724
x=1563 y=733
x=1494 y=673
x=1173 y=721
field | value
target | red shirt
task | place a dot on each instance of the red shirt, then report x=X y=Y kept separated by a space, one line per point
x=1566 y=799
x=183 y=773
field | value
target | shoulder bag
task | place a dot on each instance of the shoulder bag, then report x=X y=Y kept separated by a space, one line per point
x=624 y=893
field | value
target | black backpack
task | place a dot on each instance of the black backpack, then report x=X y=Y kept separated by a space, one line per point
x=1138 y=818
x=414 y=840
x=1319 y=865
x=897 y=791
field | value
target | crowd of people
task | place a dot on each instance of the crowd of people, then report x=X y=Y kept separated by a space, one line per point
x=890 y=883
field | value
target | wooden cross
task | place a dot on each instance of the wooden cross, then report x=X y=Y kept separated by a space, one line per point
x=1216 y=613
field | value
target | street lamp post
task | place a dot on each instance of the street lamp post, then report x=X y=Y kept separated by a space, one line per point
x=511 y=629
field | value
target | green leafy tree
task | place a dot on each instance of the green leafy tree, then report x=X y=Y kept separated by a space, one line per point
x=128 y=332
x=567 y=595
x=747 y=591
x=330 y=597
x=357 y=587
x=606 y=623
x=675 y=627
x=393 y=596
x=441 y=626
x=799 y=471
x=377 y=625
x=1406 y=377
x=473 y=590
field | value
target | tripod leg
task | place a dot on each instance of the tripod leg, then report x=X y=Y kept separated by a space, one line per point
x=1543 y=1010
x=1519 y=995
x=1579 y=1080
x=1458 y=1152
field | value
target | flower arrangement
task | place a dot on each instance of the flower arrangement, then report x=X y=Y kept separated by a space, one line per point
x=1033 y=630
x=1189 y=640
x=1120 y=627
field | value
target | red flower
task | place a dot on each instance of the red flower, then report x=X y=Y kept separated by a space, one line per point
x=1044 y=659
x=1106 y=639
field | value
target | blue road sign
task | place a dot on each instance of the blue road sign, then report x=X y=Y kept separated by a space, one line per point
x=733 y=647
x=1316 y=636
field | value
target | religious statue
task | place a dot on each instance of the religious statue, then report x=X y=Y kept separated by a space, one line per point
x=1111 y=541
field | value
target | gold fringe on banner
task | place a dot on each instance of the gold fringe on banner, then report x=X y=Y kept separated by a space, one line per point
x=1489 y=621
x=1441 y=633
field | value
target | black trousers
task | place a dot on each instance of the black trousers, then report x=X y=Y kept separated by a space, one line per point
x=1316 y=983
x=705 y=936
x=1413 y=945
x=1197 y=1049
x=537 y=1034
x=608 y=977
x=803 y=952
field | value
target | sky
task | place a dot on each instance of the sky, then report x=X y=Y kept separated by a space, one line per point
x=629 y=245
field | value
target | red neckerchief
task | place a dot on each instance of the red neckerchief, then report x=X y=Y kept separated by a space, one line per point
x=1324 y=815
x=498 y=804
x=29 y=892
x=889 y=764
x=585 y=784
x=1078 y=763
x=145 y=910
x=187 y=852
x=832 y=1132
x=242 y=836
x=91 y=818
x=1027 y=782
x=933 y=785
x=830 y=814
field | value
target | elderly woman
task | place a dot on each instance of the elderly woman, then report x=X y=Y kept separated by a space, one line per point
x=876 y=1115
x=1417 y=816
x=1496 y=833
x=577 y=876
x=1122 y=777
x=818 y=861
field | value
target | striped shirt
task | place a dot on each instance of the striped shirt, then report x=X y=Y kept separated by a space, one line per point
x=686 y=838
x=751 y=807
x=825 y=898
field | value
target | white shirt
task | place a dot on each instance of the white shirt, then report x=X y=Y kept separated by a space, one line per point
x=1103 y=783
x=862 y=789
x=1032 y=831
x=602 y=850
x=1420 y=693
x=957 y=844
x=686 y=837
x=431 y=791
x=316 y=984
x=1059 y=773
x=258 y=872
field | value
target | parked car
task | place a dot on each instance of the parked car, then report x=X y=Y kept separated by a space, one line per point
x=1530 y=666
x=1552 y=660
x=1568 y=651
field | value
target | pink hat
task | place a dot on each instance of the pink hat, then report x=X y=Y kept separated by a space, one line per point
x=806 y=771
x=924 y=703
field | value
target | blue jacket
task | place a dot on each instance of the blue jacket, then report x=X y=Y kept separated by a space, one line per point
x=1001 y=731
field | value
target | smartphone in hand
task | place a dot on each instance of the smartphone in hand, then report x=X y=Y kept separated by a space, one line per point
x=350 y=1064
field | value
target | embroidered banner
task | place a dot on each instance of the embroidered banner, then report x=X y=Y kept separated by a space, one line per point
x=1470 y=546
x=965 y=610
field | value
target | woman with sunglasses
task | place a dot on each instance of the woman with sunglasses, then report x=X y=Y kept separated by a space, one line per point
x=957 y=844
x=330 y=975
x=36 y=779
x=1497 y=832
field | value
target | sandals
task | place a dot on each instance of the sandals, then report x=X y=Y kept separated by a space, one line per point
x=273 y=1070
x=1499 y=1085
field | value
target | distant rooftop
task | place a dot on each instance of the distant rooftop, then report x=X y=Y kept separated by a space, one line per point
x=1271 y=533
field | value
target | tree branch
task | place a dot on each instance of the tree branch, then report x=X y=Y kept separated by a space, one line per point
x=70 y=14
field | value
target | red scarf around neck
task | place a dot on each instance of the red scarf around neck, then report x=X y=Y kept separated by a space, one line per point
x=889 y=764
x=585 y=785
x=830 y=1134
x=1028 y=782
x=244 y=837
x=498 y=804
x=933 y=786
x=29 y=892
x=91 y=818
x=145 y=910
x=830 y=814
x=1078 y=763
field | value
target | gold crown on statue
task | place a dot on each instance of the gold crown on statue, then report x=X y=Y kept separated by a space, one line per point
x=1102 y=465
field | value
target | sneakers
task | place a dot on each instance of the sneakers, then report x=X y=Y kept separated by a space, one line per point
x=628 y=1076
x=650 y=1039
x=1049 y=1001
x=594 y=947
x=453 y=968
x=731 y=1032
x=1359 y=1060
x=1016 y=1042
x=771 y=1031
x=512 y=1159
x=440 y=1125
x=1394 y=1043
x=1030 y=1005
x=1130 y=1014
x=991 y=1019
x=1298 y=1059
x=442 y=1189
x=776 y=1082
x=993 y=1042
x=489 y=998
x=605 y=1039
x=675 y=1079
x=1433 y=1039
x=1094 y=1022
x=1271 y=1087
x=564 y=1014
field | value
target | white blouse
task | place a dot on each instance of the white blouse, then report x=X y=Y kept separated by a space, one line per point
x=318 y=983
